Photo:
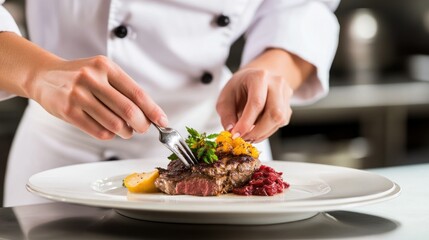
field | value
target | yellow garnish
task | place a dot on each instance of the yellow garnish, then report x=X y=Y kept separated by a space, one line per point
x=142 y=182
x=237 y=146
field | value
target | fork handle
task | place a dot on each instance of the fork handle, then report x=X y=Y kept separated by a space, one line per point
x=156 y=125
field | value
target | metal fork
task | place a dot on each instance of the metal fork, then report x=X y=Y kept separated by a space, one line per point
x=173 y=141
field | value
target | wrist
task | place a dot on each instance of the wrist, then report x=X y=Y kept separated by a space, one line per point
x=279 y=62
x=21 y=63
x=37 y=70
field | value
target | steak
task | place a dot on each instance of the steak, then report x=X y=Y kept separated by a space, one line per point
x=206 y=179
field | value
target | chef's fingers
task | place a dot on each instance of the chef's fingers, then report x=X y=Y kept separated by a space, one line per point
x=276 y=114
x=122 y=107
x=96 y=82
x=267 y=130
x=87 y=124
x=256 y=85
x=226 y=109
x=109 y=120
x=127 y=86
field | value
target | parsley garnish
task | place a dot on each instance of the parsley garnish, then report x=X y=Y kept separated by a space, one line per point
x=202 y=145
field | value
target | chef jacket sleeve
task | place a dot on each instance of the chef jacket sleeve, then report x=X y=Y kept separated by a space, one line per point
x=307 y=28
x=7 y=24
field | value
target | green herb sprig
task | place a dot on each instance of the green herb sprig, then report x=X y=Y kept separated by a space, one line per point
x=203 y=146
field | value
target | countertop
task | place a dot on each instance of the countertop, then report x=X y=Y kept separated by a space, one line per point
x=406 y=217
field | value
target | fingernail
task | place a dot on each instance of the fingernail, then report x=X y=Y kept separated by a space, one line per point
x=229 y=127
x=236 y=135
x=163 y=121
x=123 y=136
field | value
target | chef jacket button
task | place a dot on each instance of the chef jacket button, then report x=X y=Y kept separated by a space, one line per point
x=112 y=158
x=207 y=78
x=120 y=31
x=222 y=20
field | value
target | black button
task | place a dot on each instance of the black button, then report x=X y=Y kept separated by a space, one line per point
x=222 y=20
x=207 y=78
x=112 y=158
x=121 y=31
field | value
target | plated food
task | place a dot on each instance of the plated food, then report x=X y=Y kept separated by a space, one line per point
x=226 y=165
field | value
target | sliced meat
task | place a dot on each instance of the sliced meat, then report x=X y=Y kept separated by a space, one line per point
x=207 y=179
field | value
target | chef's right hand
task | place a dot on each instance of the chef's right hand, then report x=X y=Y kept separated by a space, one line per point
x=97 y=96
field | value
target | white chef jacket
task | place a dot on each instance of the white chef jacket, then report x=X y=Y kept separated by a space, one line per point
x=168 y=47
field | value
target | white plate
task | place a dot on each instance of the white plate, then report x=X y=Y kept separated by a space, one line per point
x=314 y=188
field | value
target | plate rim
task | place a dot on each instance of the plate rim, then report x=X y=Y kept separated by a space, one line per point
x=302 y=205
x=274 y=207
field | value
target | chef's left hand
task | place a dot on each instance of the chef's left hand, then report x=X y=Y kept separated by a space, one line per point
x=254 y=104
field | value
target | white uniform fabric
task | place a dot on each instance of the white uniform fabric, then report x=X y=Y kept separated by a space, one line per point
x=169 y=46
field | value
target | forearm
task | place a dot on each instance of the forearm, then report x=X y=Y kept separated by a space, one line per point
x=282 y=63
x=93 y=93
x=20 y=60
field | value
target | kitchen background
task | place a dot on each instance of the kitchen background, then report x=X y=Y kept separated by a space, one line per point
x=377 y=111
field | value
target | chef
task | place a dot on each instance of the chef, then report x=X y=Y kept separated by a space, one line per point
x=97 y=73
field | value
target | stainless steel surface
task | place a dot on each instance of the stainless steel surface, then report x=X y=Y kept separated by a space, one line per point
x=365 y=47
x=98 y=223
x=418 y=66
x=399 y=93
x=362 y=126
x=405 y=217
x=173 y=141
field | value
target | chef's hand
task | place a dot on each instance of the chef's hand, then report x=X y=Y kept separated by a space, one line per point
x=93 y=94
x=97 y=96
x=255 y=103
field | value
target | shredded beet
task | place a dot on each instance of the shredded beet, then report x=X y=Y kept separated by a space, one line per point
x=264 y=182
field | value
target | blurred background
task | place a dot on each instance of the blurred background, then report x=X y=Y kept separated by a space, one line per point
x=377 y=111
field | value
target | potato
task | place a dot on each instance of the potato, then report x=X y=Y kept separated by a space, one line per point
x=142 y=182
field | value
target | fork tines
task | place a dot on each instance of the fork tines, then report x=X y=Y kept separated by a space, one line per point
x=173 y=141
x=187 y=153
